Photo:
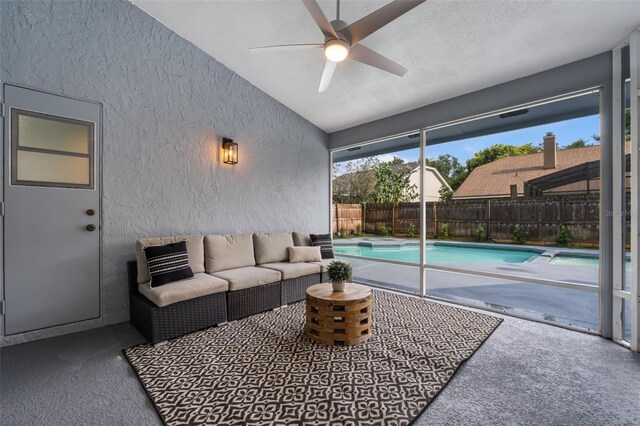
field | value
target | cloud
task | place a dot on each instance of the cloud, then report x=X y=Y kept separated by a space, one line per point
x=384 y=158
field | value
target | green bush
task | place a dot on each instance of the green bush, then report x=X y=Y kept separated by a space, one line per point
x=339 y=271
x=481 y=234
x=518 y=234
x=358 y=229
x=445 y=194
x=342 y=231
x=384 y=230
x=444 y=231
x=412 y=230
x=564 y=236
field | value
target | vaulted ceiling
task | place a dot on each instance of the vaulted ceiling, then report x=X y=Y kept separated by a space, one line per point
x=449 y=47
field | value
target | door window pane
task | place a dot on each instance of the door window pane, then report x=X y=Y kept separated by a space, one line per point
x=51 y=151
x=53 y=134
x=45 y=167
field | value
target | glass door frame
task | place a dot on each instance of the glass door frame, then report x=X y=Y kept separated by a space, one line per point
x=619 y=296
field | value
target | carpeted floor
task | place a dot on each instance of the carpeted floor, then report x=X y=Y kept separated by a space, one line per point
x=263 y=370
x=525 y=373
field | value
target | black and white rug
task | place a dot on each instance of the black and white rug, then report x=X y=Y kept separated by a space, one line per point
x=263 y=370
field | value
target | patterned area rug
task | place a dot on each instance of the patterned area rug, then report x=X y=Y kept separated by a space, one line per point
x=263 y=370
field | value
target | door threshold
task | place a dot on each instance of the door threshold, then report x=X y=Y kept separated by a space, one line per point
x=59 y=330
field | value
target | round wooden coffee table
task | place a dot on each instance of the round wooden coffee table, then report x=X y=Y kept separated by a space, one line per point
x=338 y=317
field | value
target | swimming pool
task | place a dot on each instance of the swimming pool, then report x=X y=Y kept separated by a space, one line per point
x=590 y=261
x=439 y=253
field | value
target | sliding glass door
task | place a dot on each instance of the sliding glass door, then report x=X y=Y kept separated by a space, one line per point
x=509 y=219
x=519 y=231
x=625 y=192
x=376 y=212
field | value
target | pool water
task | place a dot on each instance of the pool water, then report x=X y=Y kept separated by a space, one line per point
x=590 y=261
x=439 y=253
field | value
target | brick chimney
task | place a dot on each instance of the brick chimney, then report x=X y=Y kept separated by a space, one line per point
x=549 y=144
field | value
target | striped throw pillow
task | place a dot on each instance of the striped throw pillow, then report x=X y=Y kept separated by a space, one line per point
x=325 y=243
x=168 y=263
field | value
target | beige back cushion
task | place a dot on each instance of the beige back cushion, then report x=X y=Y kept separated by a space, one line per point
x=301 y=239
x=272 y=247
x=304 y=254
x=195 y=250
x=224 y=252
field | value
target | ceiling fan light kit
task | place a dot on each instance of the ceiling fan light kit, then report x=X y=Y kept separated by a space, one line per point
x=342 y=39
x=336 y=50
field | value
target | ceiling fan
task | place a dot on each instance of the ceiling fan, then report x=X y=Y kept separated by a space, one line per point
x=341 y=41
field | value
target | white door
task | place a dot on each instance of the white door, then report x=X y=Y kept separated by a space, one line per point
x=52 y=210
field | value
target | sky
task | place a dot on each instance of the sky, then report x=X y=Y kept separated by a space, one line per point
x=566 y=132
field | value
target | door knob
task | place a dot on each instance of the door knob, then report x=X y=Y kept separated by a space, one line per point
x=91 y=212
x=91 y=227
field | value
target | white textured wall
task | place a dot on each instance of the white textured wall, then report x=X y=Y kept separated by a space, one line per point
x=166 y=106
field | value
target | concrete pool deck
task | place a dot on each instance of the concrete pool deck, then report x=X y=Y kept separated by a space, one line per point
x=565 y=306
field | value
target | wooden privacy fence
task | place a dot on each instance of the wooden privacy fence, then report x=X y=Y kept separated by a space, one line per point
x=347 y=216
x=540 y=218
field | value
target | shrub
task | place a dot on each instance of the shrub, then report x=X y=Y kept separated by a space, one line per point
x=518 y=234
x=564 y=236
x=358 y=229
x=384 y=230
x=339 y=271
x=481 y=234
x=445 y=194
x=412 y=230
x=342 y=231
x=444 y=231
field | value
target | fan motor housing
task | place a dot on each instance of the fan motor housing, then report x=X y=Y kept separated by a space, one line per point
x=338 y=25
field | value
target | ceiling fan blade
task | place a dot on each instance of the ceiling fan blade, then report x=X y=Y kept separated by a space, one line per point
x=369 y=57
x=284 y=47
x=378 y=19
x=327 y=74
x=321 y=20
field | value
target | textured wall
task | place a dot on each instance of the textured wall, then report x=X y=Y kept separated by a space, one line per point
x=166 y=106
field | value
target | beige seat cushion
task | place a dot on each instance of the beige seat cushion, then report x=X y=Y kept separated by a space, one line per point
x=223 y=252
x=248 y=277
x=304 y=254
x=195 y=250
x=179 y=291
x=272 y=247
x=293 y=270
x=324 y=264
x=301 y=239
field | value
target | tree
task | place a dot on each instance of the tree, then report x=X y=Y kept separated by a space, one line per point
x=457 y=180
x=445 y=194
x=356 y=183
x=397 y=161
x=393 y=184
x=498 y=151
x=449 y=168
x=580 y=143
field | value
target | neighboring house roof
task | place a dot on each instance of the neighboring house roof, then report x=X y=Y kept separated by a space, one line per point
x=343 y=180
x=436 y=173
x=495 y=178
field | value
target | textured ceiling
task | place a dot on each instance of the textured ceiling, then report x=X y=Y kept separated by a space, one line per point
x=449 y=47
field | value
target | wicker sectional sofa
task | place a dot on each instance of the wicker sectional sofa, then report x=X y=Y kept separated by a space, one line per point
x=234 y=276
